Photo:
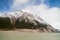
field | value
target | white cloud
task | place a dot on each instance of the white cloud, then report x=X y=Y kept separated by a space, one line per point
x=17 y=4
x=2 y=15
x=50 y=15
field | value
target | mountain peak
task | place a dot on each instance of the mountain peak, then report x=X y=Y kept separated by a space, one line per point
x=26 y=20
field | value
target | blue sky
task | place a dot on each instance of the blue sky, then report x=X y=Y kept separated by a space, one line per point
x=5 y=5
x=48 y=10
x=54 y=3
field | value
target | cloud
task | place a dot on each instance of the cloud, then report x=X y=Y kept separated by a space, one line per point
x=17 y=4
x=2 y=15
x=50 y=15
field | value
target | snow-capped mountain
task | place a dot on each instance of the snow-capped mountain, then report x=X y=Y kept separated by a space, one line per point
x=25 y=20
x=28 y=15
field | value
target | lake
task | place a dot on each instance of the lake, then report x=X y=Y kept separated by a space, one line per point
x=16 y=35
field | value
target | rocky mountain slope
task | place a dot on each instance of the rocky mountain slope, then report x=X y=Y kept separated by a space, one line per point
x=25 y=20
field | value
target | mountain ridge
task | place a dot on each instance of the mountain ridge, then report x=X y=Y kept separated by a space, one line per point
x=25 y=20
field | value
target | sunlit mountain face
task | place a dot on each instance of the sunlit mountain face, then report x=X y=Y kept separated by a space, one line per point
x=48 y=10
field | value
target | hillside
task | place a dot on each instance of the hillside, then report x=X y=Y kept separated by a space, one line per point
x=24 y=21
